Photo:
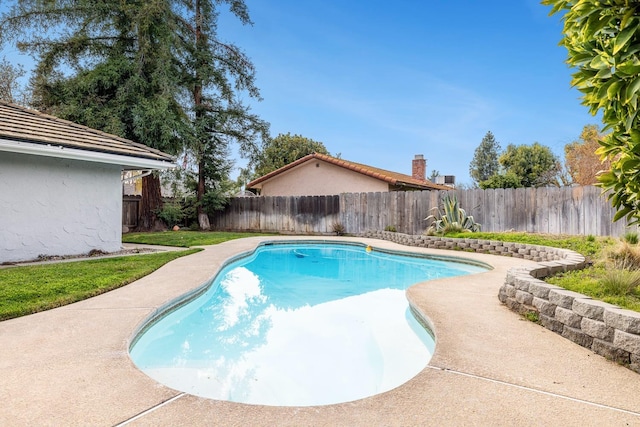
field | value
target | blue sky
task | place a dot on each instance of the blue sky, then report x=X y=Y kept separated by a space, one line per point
x=380 y=81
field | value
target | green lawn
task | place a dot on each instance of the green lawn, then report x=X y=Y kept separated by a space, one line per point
x=589 y=281
x=184 y=239
x=589 y=246
x=32 y=288
x=29 y=289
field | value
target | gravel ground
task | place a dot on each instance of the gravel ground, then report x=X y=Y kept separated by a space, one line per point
x=91 y=255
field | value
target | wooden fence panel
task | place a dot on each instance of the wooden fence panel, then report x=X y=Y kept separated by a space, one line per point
x=590 y=208
x=519 y=211
x=475 y=204
x=575 y=217
x=565 y=201
x=488 y=207
x=393 y=210
x=130 y=207
x=555 y=210
x=571 y=210
x=499 y=209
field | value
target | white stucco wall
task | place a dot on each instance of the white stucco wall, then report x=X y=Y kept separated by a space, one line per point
x=319 y=178
x=51 y=206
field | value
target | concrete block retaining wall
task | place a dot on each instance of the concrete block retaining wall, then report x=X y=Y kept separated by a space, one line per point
x=605 y=329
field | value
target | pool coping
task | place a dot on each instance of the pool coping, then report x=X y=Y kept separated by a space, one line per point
x=70 y=366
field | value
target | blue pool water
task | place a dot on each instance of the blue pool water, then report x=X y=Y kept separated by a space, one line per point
x=297 y=325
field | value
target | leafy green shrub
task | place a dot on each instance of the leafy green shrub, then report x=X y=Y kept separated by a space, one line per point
x=171 y=213
x=391 y=228
x=452 y=218
x=620 y=282
x=532 y=316
x=631 y=238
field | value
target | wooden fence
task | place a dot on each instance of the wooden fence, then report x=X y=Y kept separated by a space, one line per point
x=568 y=210
x=130 y=206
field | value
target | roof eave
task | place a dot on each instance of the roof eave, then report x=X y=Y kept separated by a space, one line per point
x=257 y=183
x=127 y=162
x=421 y=187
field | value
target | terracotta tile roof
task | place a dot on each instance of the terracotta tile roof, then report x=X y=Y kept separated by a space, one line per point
x=22 y=124
x=392 y=178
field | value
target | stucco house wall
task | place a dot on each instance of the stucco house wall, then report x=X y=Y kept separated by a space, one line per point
x=53 y=206
x=319 y=178
x=60 y=185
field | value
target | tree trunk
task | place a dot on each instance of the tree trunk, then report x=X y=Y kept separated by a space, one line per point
x=203 y=218
x=150 y=203
x=203 y=221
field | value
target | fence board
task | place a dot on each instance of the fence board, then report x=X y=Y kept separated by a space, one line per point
x=498 y=208
x=555 y=210
x=514 y=209
x=130 y=206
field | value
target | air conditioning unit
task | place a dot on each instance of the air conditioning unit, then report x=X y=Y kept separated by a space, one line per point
x=446 y=180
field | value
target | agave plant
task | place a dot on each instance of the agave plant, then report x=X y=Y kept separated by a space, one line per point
x=452 y=218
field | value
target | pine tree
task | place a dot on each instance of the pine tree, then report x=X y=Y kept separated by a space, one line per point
x=485 y=159
x=216 y=73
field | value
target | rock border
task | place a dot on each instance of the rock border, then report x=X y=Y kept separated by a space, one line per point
x=605 y=329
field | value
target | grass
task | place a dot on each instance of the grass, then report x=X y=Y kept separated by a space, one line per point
x=30 y=289
x=184 y=239
x=595 y=282
x=589 y=246
x=604 y=279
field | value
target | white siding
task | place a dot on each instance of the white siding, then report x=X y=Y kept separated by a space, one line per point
x=51 y=206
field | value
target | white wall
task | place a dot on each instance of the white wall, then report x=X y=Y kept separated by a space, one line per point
x=52 y=206
x=319 y=178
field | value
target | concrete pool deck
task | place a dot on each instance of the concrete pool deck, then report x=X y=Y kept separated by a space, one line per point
x=70 y=366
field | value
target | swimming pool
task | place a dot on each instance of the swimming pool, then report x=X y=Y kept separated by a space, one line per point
x=296 y=325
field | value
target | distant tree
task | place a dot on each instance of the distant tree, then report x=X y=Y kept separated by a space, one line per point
x=485 y=159
x=535 y=165
x=505 y=180
x=434 y=175
x=243 y=177
x=284 y=149
x=583 y=164
x=602 y=39
x=10 y=88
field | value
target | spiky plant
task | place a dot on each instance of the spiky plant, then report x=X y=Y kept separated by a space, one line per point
x=452 y=218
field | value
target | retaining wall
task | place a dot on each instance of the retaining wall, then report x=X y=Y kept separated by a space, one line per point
x=606 y=329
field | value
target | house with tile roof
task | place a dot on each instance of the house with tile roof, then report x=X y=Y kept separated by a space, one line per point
x=60 y=185
x=319 y=175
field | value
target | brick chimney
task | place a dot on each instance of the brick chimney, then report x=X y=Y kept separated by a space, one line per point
x=419 y=167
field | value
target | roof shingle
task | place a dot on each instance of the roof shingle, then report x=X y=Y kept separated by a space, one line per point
x=22 y=124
